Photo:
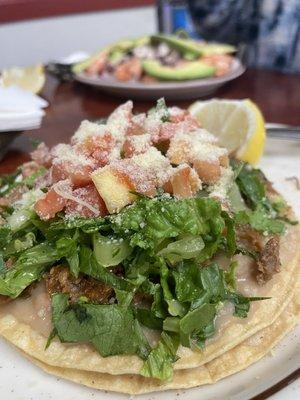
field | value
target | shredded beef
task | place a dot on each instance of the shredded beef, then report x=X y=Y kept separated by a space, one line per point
x=60 y=280
x=269 y=261
x=247 y=236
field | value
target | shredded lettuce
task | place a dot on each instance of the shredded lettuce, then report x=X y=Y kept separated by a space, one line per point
x=29 y=267
x=165 y=247
x=160 y=361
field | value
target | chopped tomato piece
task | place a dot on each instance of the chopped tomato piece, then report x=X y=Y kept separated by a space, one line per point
x=185 y=182
x=136 y=126
x=208 y=171
x=97 y=147
x=134 y=145
x=224 y=161
x=79 y=175
x=177 y=114
x=49 y=205
x=41 y=155
x=89 y=203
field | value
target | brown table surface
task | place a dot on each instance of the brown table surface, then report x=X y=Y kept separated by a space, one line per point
x=278 y=96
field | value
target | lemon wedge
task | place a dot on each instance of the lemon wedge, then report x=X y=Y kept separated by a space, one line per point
x=238 y=124
x=30 y=78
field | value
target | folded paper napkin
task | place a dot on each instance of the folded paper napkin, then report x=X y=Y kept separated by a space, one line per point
x=20 y=110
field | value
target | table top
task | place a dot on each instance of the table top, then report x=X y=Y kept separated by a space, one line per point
x=278 y=96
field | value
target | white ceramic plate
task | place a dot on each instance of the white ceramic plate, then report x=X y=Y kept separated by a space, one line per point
x=20 y=380
x=170 y=90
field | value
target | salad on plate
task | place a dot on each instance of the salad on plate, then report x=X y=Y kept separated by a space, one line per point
x=157 y=58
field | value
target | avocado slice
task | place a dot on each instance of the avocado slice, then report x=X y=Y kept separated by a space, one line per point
x=188 y=46
x=216 y=48
x=190 y=70
x=193 y=49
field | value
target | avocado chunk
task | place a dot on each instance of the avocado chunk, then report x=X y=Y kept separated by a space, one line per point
x=190 y=70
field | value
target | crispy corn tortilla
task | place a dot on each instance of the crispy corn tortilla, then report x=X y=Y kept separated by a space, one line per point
x=84 y=357
x=235 y=360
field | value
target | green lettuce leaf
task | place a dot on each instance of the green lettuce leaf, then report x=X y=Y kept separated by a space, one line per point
x=111 y=329
x=160 y=361
x=261 y=220
x=110 y=251
x=29 y=267
x=67 y=247
x=183 y=249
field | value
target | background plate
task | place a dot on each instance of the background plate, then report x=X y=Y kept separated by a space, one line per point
x=20 y=380
x=170 y=90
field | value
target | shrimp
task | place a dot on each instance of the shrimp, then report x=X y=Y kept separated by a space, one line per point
x=129 y=70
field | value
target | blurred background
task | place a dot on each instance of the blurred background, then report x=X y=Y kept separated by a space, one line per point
x=266 y=32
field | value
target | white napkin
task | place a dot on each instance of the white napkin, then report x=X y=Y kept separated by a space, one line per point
x=20 y=109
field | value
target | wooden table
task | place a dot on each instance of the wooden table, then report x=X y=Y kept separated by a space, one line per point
x=278 y=96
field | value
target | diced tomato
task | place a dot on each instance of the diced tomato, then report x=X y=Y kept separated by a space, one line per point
x=97 y=147
x=41 y=155
x=137 y=144
x=136 y=126
x=177 y=114
x=90 y=196
x=179 y=151
x=168 y=130
x=79 y=175
x=208 y=171
x=224 y=161
x=168 y=188
x=49 y=205
x=185 y=182
x=135 y=178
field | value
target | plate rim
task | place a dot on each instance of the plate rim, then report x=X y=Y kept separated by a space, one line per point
x=278 y=386
x=238 y=69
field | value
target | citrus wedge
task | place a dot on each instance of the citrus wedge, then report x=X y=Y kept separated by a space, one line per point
x=30 y=78
x=238 y=125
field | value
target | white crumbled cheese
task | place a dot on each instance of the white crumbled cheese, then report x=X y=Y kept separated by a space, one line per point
x=115 y=154
x=119 y=121
x=87 y=129
x=204 y=136
x=140 y=143
x=191 y=146
x=206 y=152
x=139 y=121
x=220 y=189
x=66 y=153
x=174 y=111
x=155 y=163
